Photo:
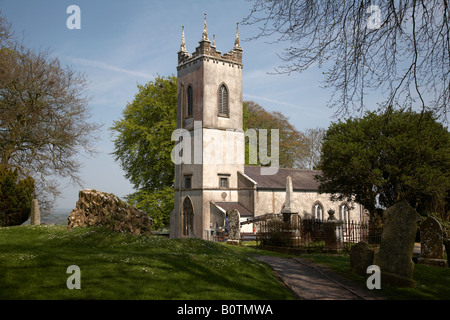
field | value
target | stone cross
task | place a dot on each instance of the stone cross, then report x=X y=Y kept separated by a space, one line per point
x=35 y=215
x=394 y=257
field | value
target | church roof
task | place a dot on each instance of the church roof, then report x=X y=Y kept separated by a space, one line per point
x=302 y=179
x=228 y=206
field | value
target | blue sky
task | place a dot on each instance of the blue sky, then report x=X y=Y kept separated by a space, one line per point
x=123 y=43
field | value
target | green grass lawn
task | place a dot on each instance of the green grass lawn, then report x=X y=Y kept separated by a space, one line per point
x=34 y=261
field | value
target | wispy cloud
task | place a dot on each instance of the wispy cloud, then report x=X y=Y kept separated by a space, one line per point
x=273 y=101
x=102 y=65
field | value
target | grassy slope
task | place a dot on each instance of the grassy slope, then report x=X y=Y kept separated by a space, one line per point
x=34 y=260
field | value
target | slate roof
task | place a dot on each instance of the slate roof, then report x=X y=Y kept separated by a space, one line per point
x=228 y=206
x=302 y=179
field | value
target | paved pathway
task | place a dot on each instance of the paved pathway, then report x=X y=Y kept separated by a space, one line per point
x=310 y=281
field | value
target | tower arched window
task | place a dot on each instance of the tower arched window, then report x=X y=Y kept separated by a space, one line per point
x=190 y=102
x=223 y=101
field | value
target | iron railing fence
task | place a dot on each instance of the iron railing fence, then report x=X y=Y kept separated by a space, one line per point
x=316 y=233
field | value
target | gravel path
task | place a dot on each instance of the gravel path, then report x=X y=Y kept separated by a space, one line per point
x=309 y=281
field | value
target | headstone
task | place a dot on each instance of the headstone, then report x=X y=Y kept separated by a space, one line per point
x=333 y=235
x=447 y=250
x=332 y=229
x=431 y=243
x=234 y=227
x=35 y=215
x=394 y=257
x=361 y=257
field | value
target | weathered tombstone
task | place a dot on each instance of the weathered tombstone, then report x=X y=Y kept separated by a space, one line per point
x=447 y=250
x=35 y=215
x=394 y=257
x=234 y=227
x=361 y=257
x=431 y=243
x=333 y=233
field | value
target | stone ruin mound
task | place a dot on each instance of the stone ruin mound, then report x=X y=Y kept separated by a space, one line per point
x=95 y=208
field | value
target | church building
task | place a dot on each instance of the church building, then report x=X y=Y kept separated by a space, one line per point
x=211 y=177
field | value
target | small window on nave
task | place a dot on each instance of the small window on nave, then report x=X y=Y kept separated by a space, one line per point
x=344 y=213
x=318 y=211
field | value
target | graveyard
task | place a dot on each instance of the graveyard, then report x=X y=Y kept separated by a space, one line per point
x=118 y=256
x=133 y=267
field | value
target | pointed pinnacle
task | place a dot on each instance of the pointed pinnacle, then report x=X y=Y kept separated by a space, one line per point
x=205 y=31
x=236 y=41
x=183 y=41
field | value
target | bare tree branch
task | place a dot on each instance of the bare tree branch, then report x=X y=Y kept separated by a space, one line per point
x=406 y=57
x=43 y=116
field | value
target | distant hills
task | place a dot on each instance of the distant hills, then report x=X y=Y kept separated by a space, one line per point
x=58 y=217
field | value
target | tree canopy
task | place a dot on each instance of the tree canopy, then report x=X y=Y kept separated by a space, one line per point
x=43 y=116
x=313 y=139
x=388 y=156
x=292 y=143
x=143 y=147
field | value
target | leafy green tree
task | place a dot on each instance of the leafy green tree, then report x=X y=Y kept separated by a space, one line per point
x=386 y=157
x=15 y=197
x=143 y=146
x=292 y=143
x=157 y=203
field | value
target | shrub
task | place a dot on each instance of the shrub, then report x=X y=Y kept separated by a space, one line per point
x=15 y=197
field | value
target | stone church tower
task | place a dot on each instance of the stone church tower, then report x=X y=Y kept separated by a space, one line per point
x=211 y=147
